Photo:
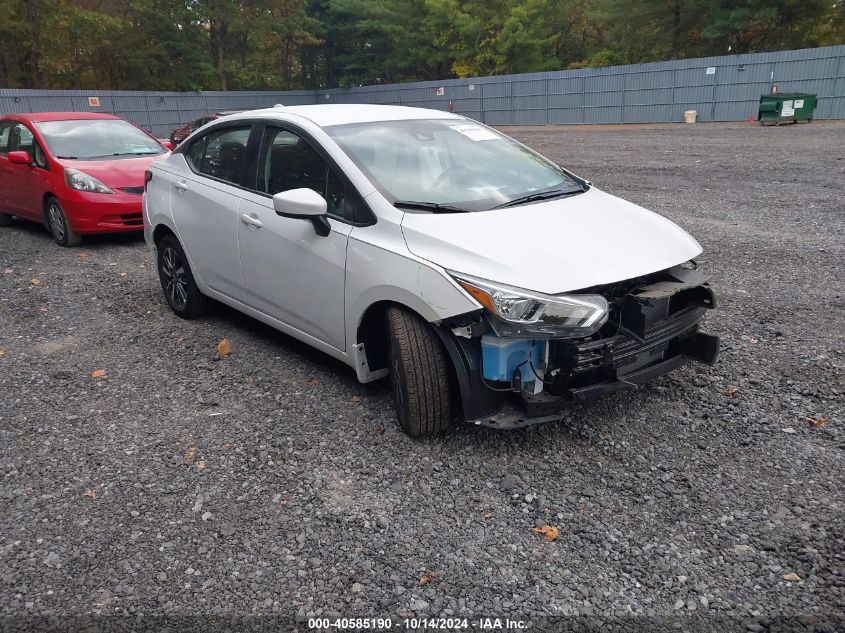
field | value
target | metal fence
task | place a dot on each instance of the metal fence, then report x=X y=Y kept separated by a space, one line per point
x=719 y=88
x=159 y=112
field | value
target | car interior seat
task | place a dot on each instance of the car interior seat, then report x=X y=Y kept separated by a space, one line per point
x=232 y=160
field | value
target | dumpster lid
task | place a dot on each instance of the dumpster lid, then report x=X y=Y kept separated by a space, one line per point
x=788 y=95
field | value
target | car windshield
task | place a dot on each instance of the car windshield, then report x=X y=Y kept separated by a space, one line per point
x=88 y=139
x=450 y=165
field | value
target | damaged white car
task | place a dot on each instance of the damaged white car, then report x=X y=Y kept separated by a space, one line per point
x=487 y=282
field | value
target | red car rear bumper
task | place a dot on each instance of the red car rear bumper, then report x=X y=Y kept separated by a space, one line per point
x=103 y=212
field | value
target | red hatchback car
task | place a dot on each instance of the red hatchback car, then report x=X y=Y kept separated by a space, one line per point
x=181 y=133
x=75 y=172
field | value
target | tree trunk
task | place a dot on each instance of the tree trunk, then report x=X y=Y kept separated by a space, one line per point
x=35 y=75
x=676 y=28
x=217 y=40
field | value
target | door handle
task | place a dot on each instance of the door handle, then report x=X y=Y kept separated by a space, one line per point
x=181 y=185
x=251 y=220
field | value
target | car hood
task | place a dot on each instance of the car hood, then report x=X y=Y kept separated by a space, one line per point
x=552 y=247
x=119 y=172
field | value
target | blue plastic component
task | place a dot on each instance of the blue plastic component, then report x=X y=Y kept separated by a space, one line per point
x=501 y=356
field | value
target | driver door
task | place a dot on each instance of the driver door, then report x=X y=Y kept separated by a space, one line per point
x=290 y=272
x=6 y=181
x=29 y=182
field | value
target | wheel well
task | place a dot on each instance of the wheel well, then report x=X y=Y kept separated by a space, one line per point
x=372 y=332
x=44 y=200
x=159 y=232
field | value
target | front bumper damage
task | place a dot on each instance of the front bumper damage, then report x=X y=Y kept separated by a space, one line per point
x=652 y=329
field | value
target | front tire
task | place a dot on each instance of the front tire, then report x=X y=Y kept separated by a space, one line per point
x=177 y=281
x=5 y=219
x=58 y=225
x=419 y=373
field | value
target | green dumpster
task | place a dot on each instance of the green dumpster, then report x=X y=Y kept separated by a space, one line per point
x=788 y=106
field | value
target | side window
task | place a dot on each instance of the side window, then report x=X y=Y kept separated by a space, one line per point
x=5 y=130
x=39 y=157
x=289 y=162
x=22 y=139
x=221 y=154
x=194 y=153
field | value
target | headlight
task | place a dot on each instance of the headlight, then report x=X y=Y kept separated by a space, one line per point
x=522 y=314
x=81 y=181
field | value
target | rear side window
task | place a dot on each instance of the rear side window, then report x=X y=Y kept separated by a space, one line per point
x=195 y=152
x=221 y=154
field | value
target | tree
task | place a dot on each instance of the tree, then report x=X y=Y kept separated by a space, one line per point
x=762 y=25
x=272 y=44
x=21 y=34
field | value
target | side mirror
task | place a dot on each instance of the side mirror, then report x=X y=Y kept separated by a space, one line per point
x=20 y=158
x=306 y=204
x=168 y=144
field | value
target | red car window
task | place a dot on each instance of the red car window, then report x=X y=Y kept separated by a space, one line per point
x=5 y=129
x=22 y=138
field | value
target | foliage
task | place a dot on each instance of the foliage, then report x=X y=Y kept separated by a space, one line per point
x=288 y=44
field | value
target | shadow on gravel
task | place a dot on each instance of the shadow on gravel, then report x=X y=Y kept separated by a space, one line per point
x=577 y=424
x=90 y=242
x=283 y=343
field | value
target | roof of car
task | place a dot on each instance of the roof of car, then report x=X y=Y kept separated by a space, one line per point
x=36 y=117
x=342 y=113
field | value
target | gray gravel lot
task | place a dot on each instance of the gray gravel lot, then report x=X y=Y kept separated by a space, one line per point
x=270 y=482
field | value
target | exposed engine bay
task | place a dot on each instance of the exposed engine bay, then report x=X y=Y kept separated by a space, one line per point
x=651 y=328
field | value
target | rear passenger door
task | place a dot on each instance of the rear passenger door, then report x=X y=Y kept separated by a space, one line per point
x=204 y=201
x=290 y=272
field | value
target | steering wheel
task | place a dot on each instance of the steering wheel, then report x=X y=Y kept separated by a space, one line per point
x=449 y=172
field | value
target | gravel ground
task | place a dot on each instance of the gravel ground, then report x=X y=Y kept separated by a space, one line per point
x=270 y=482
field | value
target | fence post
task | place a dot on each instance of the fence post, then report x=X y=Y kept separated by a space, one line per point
x=622 y=109
x=713 y=93
x=546 y=91
x=510 y=86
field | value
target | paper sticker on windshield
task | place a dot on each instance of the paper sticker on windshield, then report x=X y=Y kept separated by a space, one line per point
x=476 y=132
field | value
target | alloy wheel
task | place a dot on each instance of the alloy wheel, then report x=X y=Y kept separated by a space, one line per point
x=57 y=222
x=176 y=283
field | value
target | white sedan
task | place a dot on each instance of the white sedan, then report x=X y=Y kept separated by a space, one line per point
x=489 y=284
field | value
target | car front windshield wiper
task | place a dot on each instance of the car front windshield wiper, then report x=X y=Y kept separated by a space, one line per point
x=541 y=195
x=68 y=157
x=434 y=207
x=124 y=154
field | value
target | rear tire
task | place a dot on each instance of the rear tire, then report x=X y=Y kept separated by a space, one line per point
x=419 y=373
x=5 y=219
x=177 y=281
x=58 y=225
